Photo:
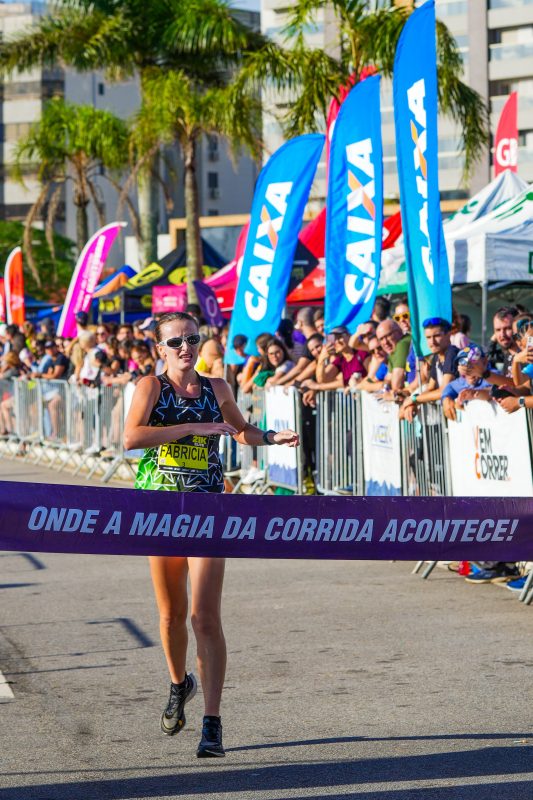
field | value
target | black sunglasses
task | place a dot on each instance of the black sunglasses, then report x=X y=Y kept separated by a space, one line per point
x=175 y=342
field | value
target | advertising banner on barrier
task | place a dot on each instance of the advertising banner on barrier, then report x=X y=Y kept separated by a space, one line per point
x=489 y=452
x=280 y=415
x=381 y=447
x=354 y=218
x=86 y=277
x=33 y=518
x=415 y=118
x=279 y=200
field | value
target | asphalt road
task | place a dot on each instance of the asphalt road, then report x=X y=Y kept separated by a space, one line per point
x=352 y=680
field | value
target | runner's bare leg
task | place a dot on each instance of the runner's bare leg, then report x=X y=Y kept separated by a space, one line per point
x=207 y=576
x=169 y=577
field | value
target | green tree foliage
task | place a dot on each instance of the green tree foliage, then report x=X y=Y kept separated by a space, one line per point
x=202 y=39
x=368 y=35
x=70 y=143
x=55 y=270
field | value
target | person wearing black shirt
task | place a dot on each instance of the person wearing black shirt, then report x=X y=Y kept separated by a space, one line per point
x=442 y=368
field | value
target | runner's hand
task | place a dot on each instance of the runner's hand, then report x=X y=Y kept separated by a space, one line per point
x=290 y=438
x=213 y=429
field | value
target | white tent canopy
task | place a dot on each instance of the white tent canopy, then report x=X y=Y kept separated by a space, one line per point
x=499 y=216
x=497 y=246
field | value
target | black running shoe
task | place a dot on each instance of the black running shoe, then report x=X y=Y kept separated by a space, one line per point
x=173 y=718
x=211 y=742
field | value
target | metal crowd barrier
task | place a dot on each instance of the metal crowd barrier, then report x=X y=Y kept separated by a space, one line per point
x=339 y=456
x=65 y=425
x=424 y=449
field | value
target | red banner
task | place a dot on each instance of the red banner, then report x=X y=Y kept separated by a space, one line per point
x=14 y=288
x=506 y=139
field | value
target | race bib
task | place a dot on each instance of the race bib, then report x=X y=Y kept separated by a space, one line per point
x=184 y=459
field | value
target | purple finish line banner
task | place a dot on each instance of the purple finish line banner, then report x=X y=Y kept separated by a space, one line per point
x=65 y=519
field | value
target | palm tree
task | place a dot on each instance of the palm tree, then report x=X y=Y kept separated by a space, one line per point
x=200 y=38
x=368 y=35
x=177 y=109
x=69 y=143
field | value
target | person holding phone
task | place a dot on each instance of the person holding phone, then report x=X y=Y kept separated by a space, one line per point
x=177 y=418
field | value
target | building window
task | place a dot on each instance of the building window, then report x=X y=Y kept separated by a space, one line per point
x=101 y=88
x=212 y=212
x=212 y=185
x=212 y=148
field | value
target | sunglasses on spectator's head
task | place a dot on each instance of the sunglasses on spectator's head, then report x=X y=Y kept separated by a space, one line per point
x=175 y=342
x=403 y=317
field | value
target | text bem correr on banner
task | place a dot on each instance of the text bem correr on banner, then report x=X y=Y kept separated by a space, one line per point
x=415 y=118
x=354 y=220
x=277 y=209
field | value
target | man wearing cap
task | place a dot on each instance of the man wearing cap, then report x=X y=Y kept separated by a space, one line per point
x=442 y=366
x=337 y=362
x=468 y=386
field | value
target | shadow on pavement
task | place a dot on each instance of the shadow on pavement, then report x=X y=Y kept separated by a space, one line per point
x=217 y=778
x=348 y=739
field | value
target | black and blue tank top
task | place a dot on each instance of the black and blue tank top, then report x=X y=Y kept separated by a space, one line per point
x=191 y=464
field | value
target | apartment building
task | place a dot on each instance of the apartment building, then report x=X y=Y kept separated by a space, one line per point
x=224 y=187
x=495 y=38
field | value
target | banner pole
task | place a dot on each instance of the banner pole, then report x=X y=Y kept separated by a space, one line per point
x=484 y=308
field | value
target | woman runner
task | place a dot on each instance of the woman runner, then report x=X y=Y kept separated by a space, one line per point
x=183 y=407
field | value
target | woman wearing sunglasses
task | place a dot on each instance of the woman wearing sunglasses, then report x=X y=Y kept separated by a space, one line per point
x=178 y=418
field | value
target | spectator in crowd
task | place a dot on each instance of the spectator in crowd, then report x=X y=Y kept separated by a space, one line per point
x=461 y=326
x=144 y=362
x=103 y=335
x=11 y=367
x=381 y=310
x=211 y=359
x=442 y=366
x=396 y=346
x=276 y=362
x=337 y=363
x=377 y=368
x=234 y=370
x=295 y=347
x=318 y=320
x=360 y=339
x=306 y=365
x=42 y=360
x=125 y=333
x=503 y=346
x=47 y=328
x=239 y=345
x=402 y=316
x=304 y=324
x=247 y=375
x=468 y=386
x=522 y=367
x=10 y=331
x=73 y=349
x=57 y=372
x=90 y=365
